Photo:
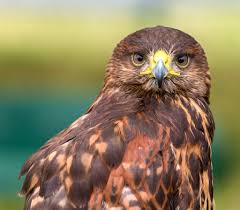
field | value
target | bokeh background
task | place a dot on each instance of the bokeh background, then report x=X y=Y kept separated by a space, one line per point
x=52 y=60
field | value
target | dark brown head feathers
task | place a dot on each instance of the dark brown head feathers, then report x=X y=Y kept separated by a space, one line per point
x=193 y=81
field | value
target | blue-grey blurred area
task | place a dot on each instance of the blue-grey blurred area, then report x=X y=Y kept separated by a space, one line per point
x=52 y=60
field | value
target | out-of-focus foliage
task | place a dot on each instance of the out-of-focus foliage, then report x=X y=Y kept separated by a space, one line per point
x=52 y=67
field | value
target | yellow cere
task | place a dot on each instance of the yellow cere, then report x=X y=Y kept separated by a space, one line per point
x=160 y=54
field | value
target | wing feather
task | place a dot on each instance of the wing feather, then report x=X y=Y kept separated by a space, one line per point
x=132 y=162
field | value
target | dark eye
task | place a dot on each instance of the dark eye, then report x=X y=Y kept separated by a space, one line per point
x=182 y=61
x=138 y=59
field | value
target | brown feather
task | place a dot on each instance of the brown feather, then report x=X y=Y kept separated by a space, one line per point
x=135 y=148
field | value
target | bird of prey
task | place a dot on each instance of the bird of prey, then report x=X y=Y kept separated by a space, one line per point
x=144 y=143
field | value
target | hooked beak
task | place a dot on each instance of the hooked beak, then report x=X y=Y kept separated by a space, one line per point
x=160 y=72
x=160 y=67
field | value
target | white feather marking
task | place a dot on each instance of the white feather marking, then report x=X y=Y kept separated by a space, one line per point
x=63 y=202
x=36 y=201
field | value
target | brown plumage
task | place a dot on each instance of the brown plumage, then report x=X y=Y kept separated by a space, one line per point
x=145 y=143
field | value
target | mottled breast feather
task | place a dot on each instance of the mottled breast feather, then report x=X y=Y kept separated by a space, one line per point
x=150 y=154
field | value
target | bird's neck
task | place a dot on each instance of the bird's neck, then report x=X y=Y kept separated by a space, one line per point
x=133 y=99
x=115 y=104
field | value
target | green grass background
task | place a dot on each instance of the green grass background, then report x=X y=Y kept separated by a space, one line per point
x=52 y=66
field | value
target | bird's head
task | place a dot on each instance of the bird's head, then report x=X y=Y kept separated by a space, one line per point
x=160 y=59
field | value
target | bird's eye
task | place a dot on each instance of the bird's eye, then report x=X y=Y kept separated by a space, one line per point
x=182 y=60
x=138 y=59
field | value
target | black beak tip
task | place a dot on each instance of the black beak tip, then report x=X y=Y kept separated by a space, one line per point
x=160 y=82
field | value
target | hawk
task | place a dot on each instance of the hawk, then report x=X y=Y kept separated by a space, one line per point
x=144 y=143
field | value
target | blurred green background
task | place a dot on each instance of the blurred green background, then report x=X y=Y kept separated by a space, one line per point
x=52 y=60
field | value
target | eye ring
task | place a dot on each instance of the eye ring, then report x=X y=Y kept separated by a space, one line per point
x=182 y=60
x=138 y=59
